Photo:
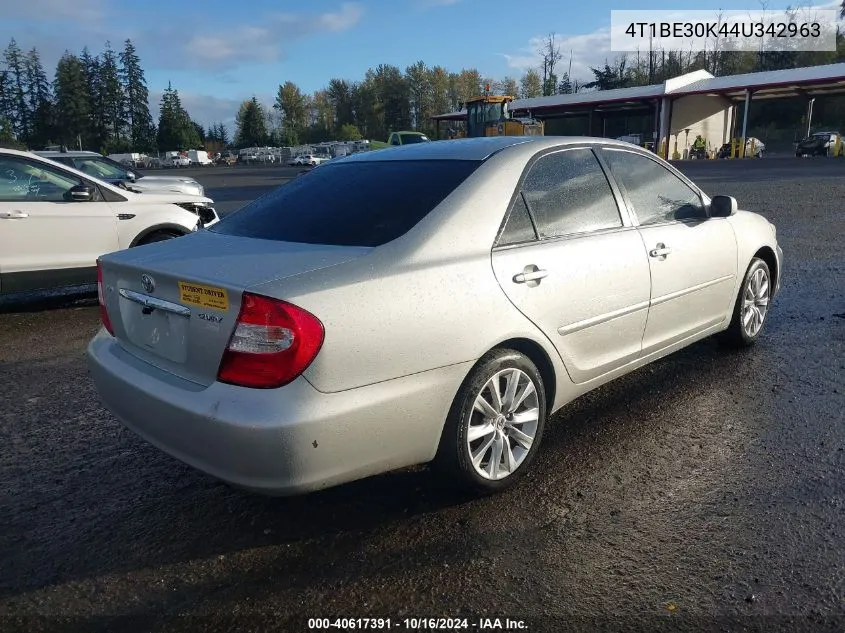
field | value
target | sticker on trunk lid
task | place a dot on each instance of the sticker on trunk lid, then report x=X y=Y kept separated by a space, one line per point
x=203 y=296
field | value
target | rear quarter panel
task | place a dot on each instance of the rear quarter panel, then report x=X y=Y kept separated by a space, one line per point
x=383 y=322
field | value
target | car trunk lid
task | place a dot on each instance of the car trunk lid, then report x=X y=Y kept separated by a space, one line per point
x=175 y=304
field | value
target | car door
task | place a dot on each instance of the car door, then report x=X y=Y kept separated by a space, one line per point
x=692 y=257
x=571 y=262
x=46 y=239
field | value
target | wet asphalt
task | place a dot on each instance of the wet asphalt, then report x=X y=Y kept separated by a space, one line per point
x=704 y=492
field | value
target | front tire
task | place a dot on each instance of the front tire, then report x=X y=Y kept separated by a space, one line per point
x=158 y=236
x=752 y=305
x=495 y=425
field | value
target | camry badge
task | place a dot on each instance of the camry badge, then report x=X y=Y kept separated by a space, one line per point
x=148 y=282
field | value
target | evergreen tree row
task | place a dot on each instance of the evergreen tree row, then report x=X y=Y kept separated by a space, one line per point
x=96 y=102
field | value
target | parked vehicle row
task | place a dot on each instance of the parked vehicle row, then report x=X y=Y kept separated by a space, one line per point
x=821 y=144
x=307 y=159
x=754 y=148
x=57 y=218
x=104 y=168
x=436 y=304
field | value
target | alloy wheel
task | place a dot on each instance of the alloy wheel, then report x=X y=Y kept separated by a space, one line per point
x=503 y=424
x=755 y=302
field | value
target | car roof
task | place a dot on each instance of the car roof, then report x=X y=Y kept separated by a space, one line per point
x=477 y=149
x=51 y=153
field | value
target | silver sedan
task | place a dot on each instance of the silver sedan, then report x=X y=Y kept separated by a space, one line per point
x=434 y=303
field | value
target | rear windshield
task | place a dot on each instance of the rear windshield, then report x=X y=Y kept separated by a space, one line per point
x=350 y=204
x=413 y=138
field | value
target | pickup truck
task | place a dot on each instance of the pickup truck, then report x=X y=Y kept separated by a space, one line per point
x=406 y=138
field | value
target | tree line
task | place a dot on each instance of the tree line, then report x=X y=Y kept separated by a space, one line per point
x=98 y=102
x=101 y=101
x=389 y=98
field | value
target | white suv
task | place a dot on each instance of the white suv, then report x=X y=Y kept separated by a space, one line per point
x=55 y=221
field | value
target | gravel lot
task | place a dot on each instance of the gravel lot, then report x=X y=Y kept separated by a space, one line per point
x=704 y=492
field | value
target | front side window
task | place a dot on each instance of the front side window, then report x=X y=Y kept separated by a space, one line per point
x=100 y=168
x=22 y=180
x=568 y=193
x=656 y=194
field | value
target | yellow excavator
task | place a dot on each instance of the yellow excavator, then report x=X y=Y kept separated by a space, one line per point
x=488 y=115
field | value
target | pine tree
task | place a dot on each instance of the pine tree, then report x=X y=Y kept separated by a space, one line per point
x=6 y=111
x=137 y=95
x=96 y=132
x=39 y=101
x=73 y=111
x=18 y=113
x=252 y=124
x=176 y=131
x=112 y=99
x=200 y=134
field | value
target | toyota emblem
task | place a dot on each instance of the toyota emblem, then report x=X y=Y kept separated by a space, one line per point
x=148 y=282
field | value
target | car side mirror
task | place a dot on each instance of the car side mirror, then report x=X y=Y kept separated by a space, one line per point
x=131 y=176
x=723 y=206
x=80 y=193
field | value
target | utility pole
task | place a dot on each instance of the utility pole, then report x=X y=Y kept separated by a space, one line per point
x=650 y=61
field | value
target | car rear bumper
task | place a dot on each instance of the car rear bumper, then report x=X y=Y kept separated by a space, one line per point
x=277 y=441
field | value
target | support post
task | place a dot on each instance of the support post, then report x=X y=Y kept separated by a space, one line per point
x=656 y=133
x=590 y=123
x=665 y=120
x=744 y=124
x=810 y=115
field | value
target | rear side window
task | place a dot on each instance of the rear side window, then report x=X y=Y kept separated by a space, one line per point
x=518 y=227
x=350 y=204
x=568 y=193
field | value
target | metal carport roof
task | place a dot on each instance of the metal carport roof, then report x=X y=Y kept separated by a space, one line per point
x=808 y=81
x=790 y=82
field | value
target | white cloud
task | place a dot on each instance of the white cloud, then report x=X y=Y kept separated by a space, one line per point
x=429 y=4
x=193 y=45
x=79 y=11
x=208 y=109
x=349 y=15
x=250 y=43
x=587 y=50
x=590 y=50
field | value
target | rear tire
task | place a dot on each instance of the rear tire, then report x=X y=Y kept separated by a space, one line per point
x=752 y=306
x=495 y=424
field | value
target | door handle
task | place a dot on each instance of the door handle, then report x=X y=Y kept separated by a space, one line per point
x=13 y=215
x=661 y=251
x=522 y=278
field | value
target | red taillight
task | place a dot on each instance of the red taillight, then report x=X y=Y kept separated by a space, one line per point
x=273 y=343
x=104 y=313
